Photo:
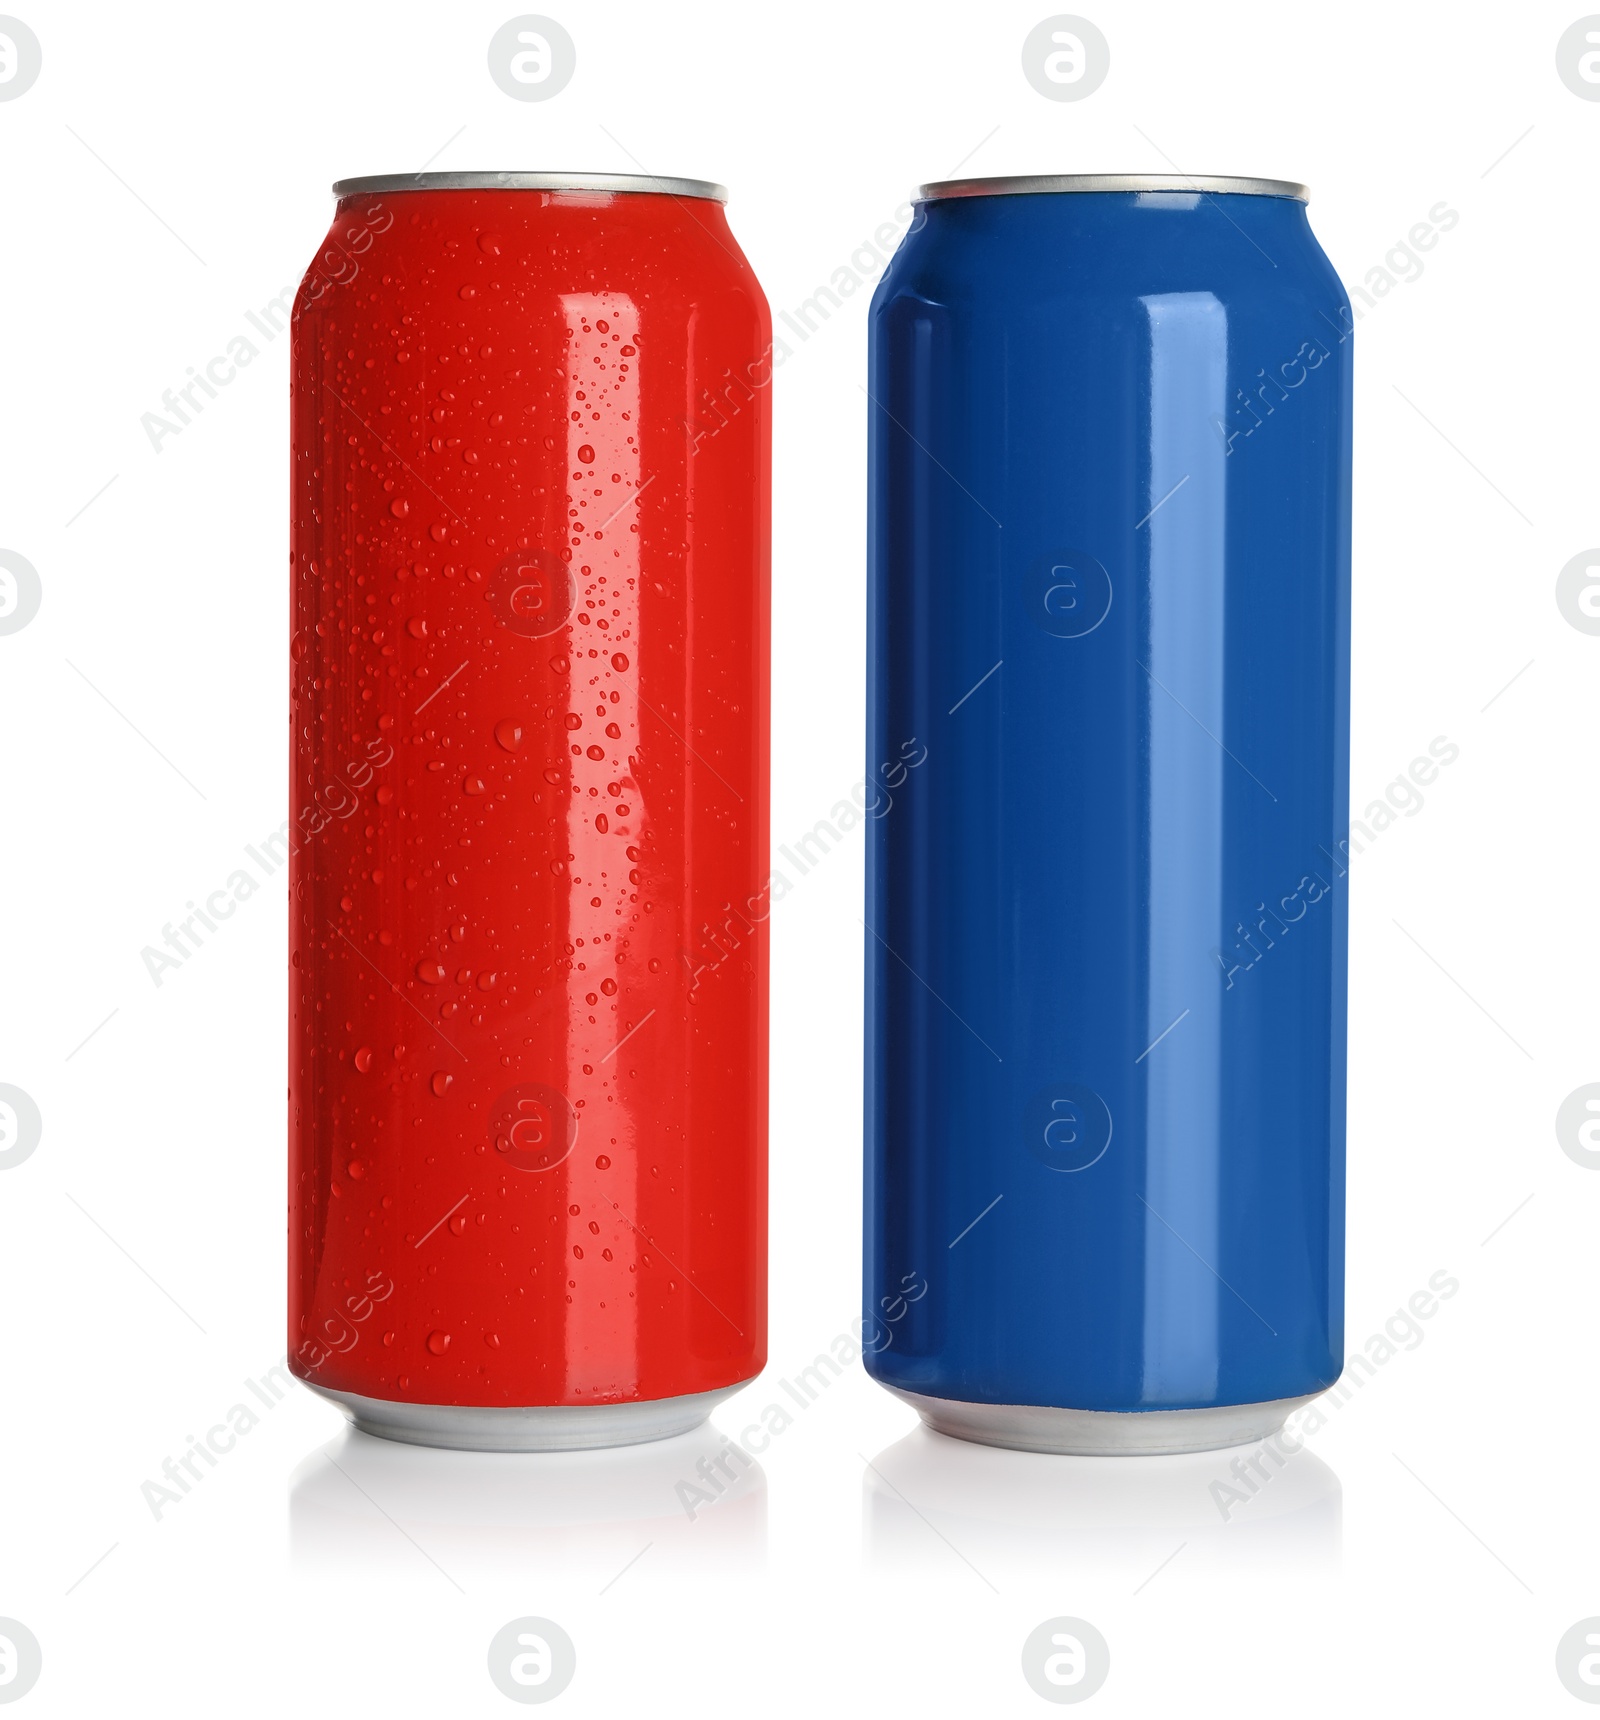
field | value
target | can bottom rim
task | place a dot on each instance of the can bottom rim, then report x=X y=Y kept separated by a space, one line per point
x=543 y=1427
x=1099 y=1432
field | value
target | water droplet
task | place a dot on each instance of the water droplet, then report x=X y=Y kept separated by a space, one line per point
x=487 y=981
x=356 y=1169
x=619 y=661
x=609 y=987
x=439 y=531
x=492 y=1339
x=586 y=455
x=430 y=972
x=458 y=1224
x=440 y=1083
x=399 y=507
x=438 y=1343
x=508 y=733
x=385 y=795
x=602 y=1163
x=363 y=1059
x=573 y=720
x=417 y=627
x=472 y=785
x=597 y=753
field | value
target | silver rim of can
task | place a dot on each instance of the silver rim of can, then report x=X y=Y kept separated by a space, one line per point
x=1103 y=1433
x=546 y=1427
x=387 y=183
x=1035 y=183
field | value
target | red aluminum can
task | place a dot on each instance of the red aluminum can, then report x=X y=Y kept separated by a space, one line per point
x=529 y=767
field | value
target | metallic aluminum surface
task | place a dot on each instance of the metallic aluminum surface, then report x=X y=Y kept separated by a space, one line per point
x=1109 y=604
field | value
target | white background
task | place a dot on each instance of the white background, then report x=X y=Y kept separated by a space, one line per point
x=1433 y=1542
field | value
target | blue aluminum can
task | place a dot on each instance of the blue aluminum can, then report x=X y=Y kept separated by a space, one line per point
x=1106 y=915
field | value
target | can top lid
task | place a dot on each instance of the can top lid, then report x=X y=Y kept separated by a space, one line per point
x=1023 y=184
x=579 y=182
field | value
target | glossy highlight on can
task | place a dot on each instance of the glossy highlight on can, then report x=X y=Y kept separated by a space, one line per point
x=529 y=769
x=1109 y=571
